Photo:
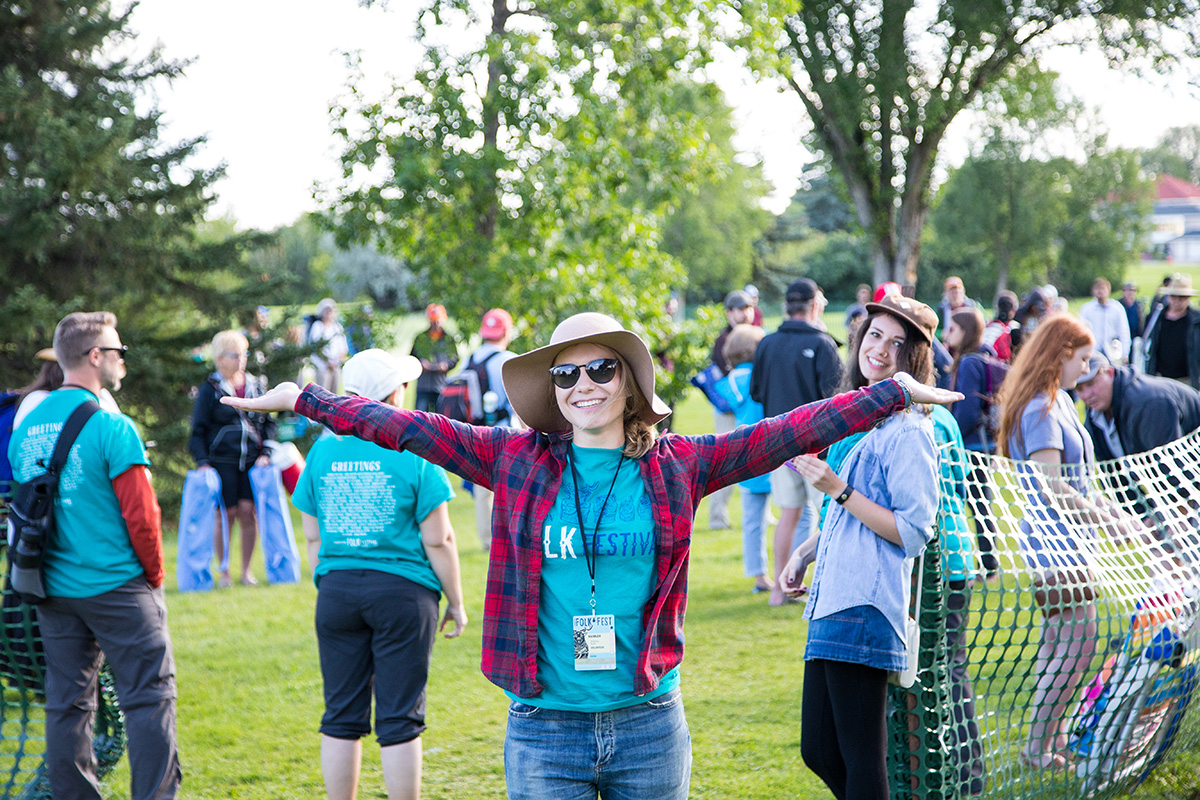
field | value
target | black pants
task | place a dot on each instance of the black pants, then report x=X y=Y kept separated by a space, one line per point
x=843 y=734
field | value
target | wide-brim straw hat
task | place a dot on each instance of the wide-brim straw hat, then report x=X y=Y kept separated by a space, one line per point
x=527 y=377
x=1180 y=286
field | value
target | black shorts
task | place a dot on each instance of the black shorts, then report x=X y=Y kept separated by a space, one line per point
x=374 y=627
x=235 y=484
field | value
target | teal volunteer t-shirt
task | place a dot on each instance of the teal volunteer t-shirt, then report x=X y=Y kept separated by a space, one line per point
x=370 y=502
x=90 y=552
x=625 y=576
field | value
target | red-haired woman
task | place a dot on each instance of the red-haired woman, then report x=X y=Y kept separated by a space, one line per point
x=1040 y=425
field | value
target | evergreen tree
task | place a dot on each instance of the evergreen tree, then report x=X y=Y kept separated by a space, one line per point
x=97 y=212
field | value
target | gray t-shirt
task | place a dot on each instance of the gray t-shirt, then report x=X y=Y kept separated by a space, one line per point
x=1061 y=430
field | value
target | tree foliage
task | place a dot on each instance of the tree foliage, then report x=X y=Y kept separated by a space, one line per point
x=883 y=80
x=1177 y=153
x=1009 y=221
x=712 y=229
x=97 y=212
x=532 y=169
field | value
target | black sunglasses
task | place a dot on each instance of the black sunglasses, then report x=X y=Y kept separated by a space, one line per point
x=601 y=370
x=123 y=349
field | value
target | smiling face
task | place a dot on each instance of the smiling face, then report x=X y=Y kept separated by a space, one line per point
x=878 y=354
x=596 y=411
x=1073 y=366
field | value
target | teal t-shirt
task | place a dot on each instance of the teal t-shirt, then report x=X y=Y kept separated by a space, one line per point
x=90 y=552
x=958 y=557
x=370 y=502
x=625 y=575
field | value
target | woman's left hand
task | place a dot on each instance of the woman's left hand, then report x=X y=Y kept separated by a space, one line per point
x=927 y=394
x=819 y=474
x=263 y=461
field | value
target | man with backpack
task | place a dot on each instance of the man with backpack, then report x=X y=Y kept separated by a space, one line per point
x=102 y=570
x=496 y=331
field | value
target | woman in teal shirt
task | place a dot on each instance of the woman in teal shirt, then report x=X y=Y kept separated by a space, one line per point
x=381 y=549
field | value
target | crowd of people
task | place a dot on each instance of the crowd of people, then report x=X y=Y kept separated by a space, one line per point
x=587 y=511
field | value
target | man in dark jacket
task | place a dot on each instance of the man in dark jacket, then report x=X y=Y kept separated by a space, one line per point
x=1130 y=413
x=797 y=364
x=1172 y=338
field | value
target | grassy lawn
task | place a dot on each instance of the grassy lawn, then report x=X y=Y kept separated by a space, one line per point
x=250 y=688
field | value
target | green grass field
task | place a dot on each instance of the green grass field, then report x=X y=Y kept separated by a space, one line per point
x=250 y=688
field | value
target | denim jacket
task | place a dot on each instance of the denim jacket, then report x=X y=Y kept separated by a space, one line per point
x=896 y=466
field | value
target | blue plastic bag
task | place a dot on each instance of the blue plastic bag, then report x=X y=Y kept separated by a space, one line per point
x=280 y=554
x=705 y=381
x=202 y=507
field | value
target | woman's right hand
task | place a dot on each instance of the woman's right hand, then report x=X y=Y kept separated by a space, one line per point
x=282 y=398
x=791 y=580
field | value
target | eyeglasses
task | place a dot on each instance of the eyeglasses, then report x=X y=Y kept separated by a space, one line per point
x=234 y=356
x=123 y=349
x=601 y=370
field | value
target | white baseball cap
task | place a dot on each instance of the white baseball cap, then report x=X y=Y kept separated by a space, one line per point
x=375 y=374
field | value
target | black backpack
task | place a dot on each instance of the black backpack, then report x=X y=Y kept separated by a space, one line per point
x=463 y=396
x=31 y=512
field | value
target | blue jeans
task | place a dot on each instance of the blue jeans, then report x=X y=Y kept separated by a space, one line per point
x=643 y=751
x=754 y=542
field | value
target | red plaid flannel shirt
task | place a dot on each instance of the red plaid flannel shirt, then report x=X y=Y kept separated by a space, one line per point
x=525 y=468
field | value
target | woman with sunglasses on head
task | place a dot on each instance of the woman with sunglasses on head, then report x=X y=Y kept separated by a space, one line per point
x=587 y=582
x=884 y=486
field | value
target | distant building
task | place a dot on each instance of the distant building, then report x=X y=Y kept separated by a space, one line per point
x=1175 y=229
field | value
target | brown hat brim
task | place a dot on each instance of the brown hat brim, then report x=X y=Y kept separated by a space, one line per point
x=527 y=379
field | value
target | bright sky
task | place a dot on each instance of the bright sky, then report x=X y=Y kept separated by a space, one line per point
x=265 y=72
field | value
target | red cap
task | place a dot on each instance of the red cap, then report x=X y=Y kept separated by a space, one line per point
x=435 y=312
x=884 y=289
x=496 y=324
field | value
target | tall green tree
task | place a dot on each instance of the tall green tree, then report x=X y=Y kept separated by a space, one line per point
x=883 y=80
x=98 y=212
x=998 y=214
x=533 y=168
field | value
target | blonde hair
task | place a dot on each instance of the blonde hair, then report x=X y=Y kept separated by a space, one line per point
x=742 y=343
x=76 y=335
x=226 y=342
